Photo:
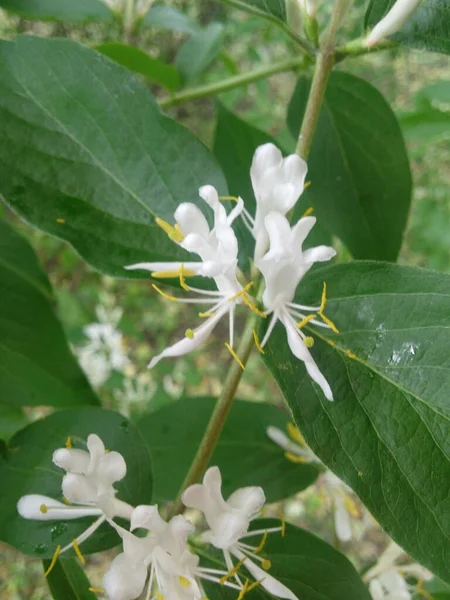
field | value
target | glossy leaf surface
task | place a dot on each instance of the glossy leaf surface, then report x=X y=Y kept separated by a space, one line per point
x=67 y=580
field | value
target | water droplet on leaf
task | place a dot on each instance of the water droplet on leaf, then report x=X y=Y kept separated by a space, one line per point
x=40 y=548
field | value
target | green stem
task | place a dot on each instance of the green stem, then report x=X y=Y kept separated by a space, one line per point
x=357 y=48
x=220 y=413
x=128 y=19
x=218 y=87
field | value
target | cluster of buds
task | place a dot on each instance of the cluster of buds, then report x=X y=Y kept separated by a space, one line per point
x=162 y=563
x=277 y=183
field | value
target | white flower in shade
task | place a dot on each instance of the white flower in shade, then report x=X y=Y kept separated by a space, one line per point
x=159 y=562
x=87 y=488
x=277 y=183
x=283 y=267
x=344 y=508
x=392 y=22
x=295 y=448
x=387 y=579
x=218 y=251
x=228 y=522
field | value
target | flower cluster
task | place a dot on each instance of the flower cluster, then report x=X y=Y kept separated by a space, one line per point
x=161 y=563
x=279 y=256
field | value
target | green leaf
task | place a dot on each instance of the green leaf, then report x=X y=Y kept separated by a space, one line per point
x=68 y=581
x=276 y=8
x=86 y=154
x=437 y=588
x=427 y=28
x=358 y=166
x=12 y=419
x=387 y=432
x=244 y=453
x=199 y=51
x=36 y=364
x=425 y=124
x=308 y=566
x=67 y=11
x=235 y=143
x=139 y=61
x=28 y=469
x=170 y=18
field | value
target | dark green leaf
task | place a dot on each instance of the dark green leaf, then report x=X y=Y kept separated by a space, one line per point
x=305 y=564
x=387 y=432
x=358 y=166
x=425 y=124
x=170 y=18
x=12 y=419
x=86 y=154
x=28 y=469
x=235 y=142
x=68 y=581
x=199 y=51
x=139 y=61
x=428 y=27
x=437 y=588
x=244 y=453
x=36 y=365
x=438 y=93
x=60 y=10
x=276 y=8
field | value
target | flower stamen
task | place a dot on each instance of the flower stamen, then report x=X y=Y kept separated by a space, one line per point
x=323 y=303
x=184 y=581
x=173 y=231
x=78 y=552
x=295 y=458
x=96 y=590
x=68 y=443
x=232 y=572
x=295 y=434
x=53 y=561
x=163 y=294
x=189 y=334
x=241 y=292
x=306 y=320
x=257 y=342
x=235 y=356
x=262 y=543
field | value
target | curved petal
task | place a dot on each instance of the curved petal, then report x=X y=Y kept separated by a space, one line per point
x=301 y=230
x=376 y=590
x=280 y=438
x=125 y=579
x=319 y=254
x=77 y=488
x=207 y=496
x=147 y=517
x=295 y=170
x=29 y=507
x=266 y=157
x=342 y=522
x=209 y=194
x=299 y=350
x=191 y=220
x=280 y=236
x=71 y=460
x=248 y=500
x=97 y=450
x=268 y=582
x=112 y=467
x=188 y=344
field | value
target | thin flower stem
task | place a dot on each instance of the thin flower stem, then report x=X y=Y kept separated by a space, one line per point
x=218 y=87
x=220 y=413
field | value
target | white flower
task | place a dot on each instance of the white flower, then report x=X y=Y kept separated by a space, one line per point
x=87 y=488
x=283 y=267
x=392 y=22
x=218 y=251
x=295 y=447
x=277 y=183
x=228 y=523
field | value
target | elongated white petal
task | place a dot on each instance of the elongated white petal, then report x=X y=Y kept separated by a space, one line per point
x=209 y=194
x=165 y=266
x=280 y=237
x=301 y=230
x=73 y=460
x=147 y=517
x=79 y=489
x=318 y=254
x=187 y=345
x=125 y=579
x=281 y=439
x=31 y=506
x=299 y=350
x=376 y=590
x=266 y=157
x=236 y=211
x=393 y=21
x=268 y=582
x=191 y=220
x=342 y=523
x=96 y=450
x=112 y=468
x=249 y=500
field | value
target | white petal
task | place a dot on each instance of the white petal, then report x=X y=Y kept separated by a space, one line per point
x=393 y=21
x=302 y=229
x=78 y=489
x=266 y=157
x=395 y=584
x=147 y=517
x=268 y=582
x=211 y=197
x=280 y=237
x=319 y=254
x=73 y=460
x=96 y=449
x=187 y=345
x=125 y=579
x=279 y=437
x=112 y=468
x=342 y=521
x=165 y=266
x=376 y=590
x=236 y=211
x=207 y=496
x=249 y=500
x=299 y=350
x=295 y=170
x=191 y=220
x=29 y=507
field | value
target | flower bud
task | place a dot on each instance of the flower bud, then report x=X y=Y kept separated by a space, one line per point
x=392 y=22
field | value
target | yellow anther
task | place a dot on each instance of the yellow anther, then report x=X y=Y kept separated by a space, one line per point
x=76 y=547
x=306 y=320
x=254 y=584
x=266 y=564
x=350 y=354
x=173 y=231
x=262 y=543
x=204 y=315
x=53 y=563
x=244 y=590
x=62 y=221
x=159 y=596
x=351 y=507
x=323 y=303
x=309 y=210
x=96 y=590
x=66 y=500
x=360 y=473
x=295 y=434
x=420 y=590
x=184 y=581
x=309 y=341
x=330 y=323
x=163 y=294
x=283 y=524
x=189 y=334
x=253 y=306
x=241 y=293
x=185 y=273
x=295 y=458
x=233 y=198
x=257 y=342
x=68 y=443
x=235 y=356
x=43 y=508
x=232 y=571
x=307 y=184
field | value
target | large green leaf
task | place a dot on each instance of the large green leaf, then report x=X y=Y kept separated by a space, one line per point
x=27 y=468
x=199 y=51
x=387 y=432
x=86 y=154
x=244 y=453
x=36 y=365
x=68 y=581
x=427 y=28
x=305 y=564
x=60 y=10
x=170 y=18
x=358 y=166
x=140 y=62
x=12 y=418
